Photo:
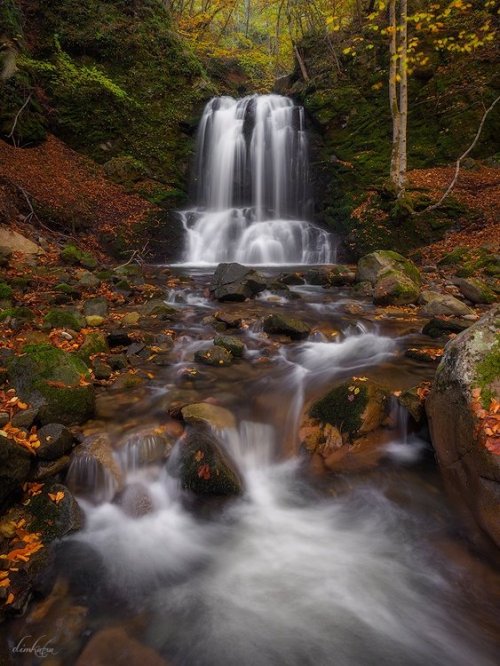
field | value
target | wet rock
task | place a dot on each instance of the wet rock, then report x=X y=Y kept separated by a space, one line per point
x=341 y=276
x=128 y=381
x=354 y=407
x=467 y=379
x=55 y=512
x=67 y=290
x=413 y=402
x=373 y=266
x=26 y=418
x=118 y=361
x=94 y=343
x=15 y=465
x=206 y=413
x=215 y=356
x=4 y=419
x=55 y=381
x=136 y=501
x=318 y=276
x=96 y=306
x=88 y=280
x=94 y=471
x=119 y=338
x=440 y=326
x=234 y=282
x=115 y=646
x=159 y=309
x=435 y=304
x=55 y=441
x=278 y=324
x=102 y=370
x=232 y=344
x=146 y=447
x=46 y=469
x=476 y=290
x=205 y=468
x=424 y=355
x=363 y=290
x=292 y=279
x=230 y=319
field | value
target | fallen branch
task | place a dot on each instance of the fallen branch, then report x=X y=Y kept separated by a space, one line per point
x=17 y=116
x=461 y=159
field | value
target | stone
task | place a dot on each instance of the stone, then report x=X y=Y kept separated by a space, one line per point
x=71 y=319
x=115 y=645
x=94 y=472
x=291 y=279
x=88 y=280
x=234 y=282
x=435 y=304
x=476 y=290
x=55 y=441
x=372 y=266
x=94 y=321
x=394 y=288
x=230 y=319
x=215 y=356
x=54 y=518
x=440 y=326
x=131 y=319
x=46 y=469
x=25 y=418
x=76 y=257
x=15 y=465
x=94 y=343
x=159 y=309
x=118 y=361
x=119 y=338
x=466 y=381
x=277 y=324
x=55 y=381
x=354 y=407
x=205 y=468
x=102 y=371
x=12 y=241
x=232 y=344
x=413 y=403
x=96 y=306
x=206 y=413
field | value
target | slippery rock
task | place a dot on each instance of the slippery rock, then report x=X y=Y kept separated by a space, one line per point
x=467 y=379
x=15 y=464
x=55 y=441
x=206 y=413
x=435 y=304
x=278 y=324
x=234 y=282
x=215 y=356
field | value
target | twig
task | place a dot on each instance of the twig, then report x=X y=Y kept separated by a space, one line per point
x=11 y=135
x=461 y=159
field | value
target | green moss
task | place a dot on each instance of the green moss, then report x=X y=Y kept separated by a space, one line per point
x=488 y=372
x=64 y=319
x=21 y=313
x=5 y=291
x=95 y=343
x=455 y=257
x=342 y=407
x=75 y=256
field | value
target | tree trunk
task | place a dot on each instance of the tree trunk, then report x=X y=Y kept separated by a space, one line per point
x=403 y=97
x=393 y=95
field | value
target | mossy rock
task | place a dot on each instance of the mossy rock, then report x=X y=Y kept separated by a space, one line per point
x=395 y=288
x=372 y=266
x=278 y=324
x=215 y=356
x=205 y=468
x=476 y=291
x=232 y=344
x=354 y=407
x=20 y=314
x=56 y=381
x=76 y=257
x=15 y=465
x=64 y=319
x=94 y=343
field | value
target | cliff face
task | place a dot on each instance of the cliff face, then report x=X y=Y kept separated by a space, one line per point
x=111 y=79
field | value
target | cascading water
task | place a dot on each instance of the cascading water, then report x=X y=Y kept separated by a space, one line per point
x=251 y=191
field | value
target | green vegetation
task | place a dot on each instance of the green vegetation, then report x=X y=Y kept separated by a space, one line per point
x=488 y=372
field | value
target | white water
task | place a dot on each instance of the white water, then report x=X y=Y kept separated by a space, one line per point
x=252 y=186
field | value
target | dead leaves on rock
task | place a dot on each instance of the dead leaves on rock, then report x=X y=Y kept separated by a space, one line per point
x=488 y=421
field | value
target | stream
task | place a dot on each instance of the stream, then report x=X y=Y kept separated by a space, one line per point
x=361 y=567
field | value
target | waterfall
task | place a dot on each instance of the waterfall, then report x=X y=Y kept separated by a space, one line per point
x=251 y=186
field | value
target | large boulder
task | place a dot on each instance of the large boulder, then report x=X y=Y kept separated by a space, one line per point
x=55 y=381
x=15 y=464
x=435 y=304
x=55 y=512
x=234 y=282
x=12 y=241
x=476 y=290
x=396 y=280
x=463 y=429
x=205 y=468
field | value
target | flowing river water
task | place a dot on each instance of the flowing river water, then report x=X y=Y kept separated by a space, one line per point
x=363 y=567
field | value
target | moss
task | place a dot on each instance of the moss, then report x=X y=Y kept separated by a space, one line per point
x=5 y=291
x=342 y=407
x=67 y=289
x=75 y=256
x=64 y=319
x=20 y=313
x=95 y=343
x=455 y=257
x=488 y=372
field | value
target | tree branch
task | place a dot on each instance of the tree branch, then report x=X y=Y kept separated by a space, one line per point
x=461 y=159
x=18 y=114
